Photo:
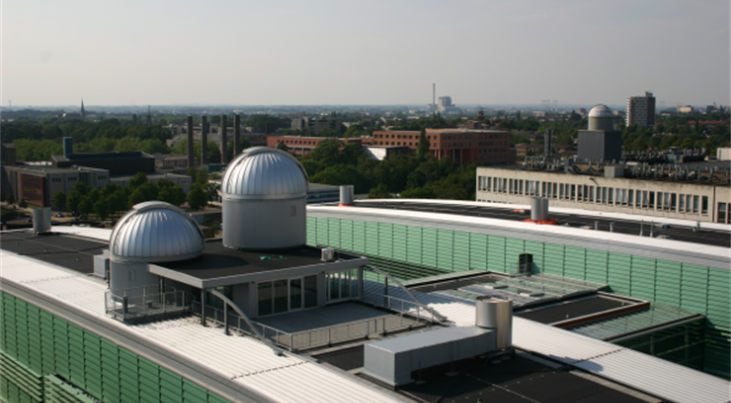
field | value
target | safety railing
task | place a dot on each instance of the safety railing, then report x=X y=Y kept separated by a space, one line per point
x=410 y=308
x=131 y=308
x=319 y=337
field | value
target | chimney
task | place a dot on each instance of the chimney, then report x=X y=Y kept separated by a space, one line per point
x=204 y=140
x=68 y=146
x=547 y=149
x=224 y=135
x=237 y=135
x=191 y=146
x=496 y=313
x=346 y=196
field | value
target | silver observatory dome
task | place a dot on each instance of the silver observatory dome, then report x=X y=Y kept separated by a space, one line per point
x=264 y=173
x=601 y=118
x=155 y=232
x=264 y=198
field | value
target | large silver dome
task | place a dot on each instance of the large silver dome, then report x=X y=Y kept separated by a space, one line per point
x=156 y=232
x=264 y=173
x=600 y=111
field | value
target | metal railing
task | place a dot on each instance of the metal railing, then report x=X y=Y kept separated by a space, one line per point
x=130 y=308
x=410 y=308
x=319 y=337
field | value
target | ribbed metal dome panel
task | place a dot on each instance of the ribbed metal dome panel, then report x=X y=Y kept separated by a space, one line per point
x=600 y=111
x=264 y=173
x=156 y=232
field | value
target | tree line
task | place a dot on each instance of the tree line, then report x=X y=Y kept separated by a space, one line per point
x=414 y=176
x=114 y=200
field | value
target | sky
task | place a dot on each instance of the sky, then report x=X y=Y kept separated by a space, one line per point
x=359 y=52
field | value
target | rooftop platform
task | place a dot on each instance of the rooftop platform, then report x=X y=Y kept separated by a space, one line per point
x=221 y=266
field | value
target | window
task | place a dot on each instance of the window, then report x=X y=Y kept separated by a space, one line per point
x=287 y=294
x=652 y=200
x=721 y=216
x=696 y=203
x=581 y=192
x=681 y=206
x=342 y=285
x=673 y=201
x=573 y=192
x=630 y=194
x=704 y=205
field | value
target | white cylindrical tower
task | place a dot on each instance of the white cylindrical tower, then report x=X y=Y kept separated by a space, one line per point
x=264 y=199
x=601 y=118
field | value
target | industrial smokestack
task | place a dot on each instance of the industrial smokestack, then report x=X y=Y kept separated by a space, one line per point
x=547 y=150
x=237 y=135
x=68 y=146
x=204 y=140
x=434 y=98
x=224 y=135
x=191 y=158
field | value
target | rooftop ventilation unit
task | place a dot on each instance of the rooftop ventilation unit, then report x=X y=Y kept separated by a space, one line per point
x=42 y=220
x=346 y=195
x=497 y=314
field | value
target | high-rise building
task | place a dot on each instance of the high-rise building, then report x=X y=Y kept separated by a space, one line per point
x=641 y=110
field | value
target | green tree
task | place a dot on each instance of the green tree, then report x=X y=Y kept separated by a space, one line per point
x=22 y=203
x=118 y=201
x=282 y=146
x=201 y=176
x=103 y=208
x=59 y=200
x=379 y=192
x=145 y=192
x=423 y=148
x=197 y=198
x=137 y=180
x=74 y=200
x=86 y=206
x=172 y=194
x=10 y=198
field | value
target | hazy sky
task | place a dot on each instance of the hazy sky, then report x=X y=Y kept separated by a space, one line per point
x=363 y=52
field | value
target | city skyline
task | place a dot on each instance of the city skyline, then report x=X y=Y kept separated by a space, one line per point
x=365 y=53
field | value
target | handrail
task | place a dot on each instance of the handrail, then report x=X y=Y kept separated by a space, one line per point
x=439 y=317
x=225 y=299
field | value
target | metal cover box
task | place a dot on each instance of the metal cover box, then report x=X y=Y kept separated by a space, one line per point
x=392 y=360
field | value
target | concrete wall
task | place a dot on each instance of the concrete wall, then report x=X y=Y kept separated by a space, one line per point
x=714 y=194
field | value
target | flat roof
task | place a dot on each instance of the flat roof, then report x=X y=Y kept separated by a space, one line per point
x=63 y=250
x=219 y=265
x=576 y=219
x=517 y=379
x=102 y=155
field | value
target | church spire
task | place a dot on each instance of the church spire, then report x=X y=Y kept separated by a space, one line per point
x=83 y=112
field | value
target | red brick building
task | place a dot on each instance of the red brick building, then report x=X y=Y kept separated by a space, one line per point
x=303 y=145
x=461 y=145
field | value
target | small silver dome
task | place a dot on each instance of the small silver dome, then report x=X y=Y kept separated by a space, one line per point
x=264 y=173
x=600 y=111
x=156 y=232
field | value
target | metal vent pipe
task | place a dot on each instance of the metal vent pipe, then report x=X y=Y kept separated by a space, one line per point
x=496 y=313
x=346 y=195
x=42 y=220
x=539 y=209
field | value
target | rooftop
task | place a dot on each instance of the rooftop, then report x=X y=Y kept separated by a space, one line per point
x=102 y=155
x=240 y=367
x=219 y=265
x=678 y=230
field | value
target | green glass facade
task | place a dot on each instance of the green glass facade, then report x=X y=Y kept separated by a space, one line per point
x=44 y=358
x=699 y=289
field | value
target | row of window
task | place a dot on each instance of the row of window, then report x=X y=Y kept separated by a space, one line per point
x=646 y=199
x=69 y=179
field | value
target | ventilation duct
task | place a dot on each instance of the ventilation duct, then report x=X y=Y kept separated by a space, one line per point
x=42 y=220
x=497 y=314
x=346 y=195
x=539 y=209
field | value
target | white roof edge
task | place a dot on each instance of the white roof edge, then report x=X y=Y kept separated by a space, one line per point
x=673 y=245
x=567 y=210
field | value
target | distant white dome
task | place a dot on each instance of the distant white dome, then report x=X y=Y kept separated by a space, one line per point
x=600 y=111
x=264 y=173
x=156 y=232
